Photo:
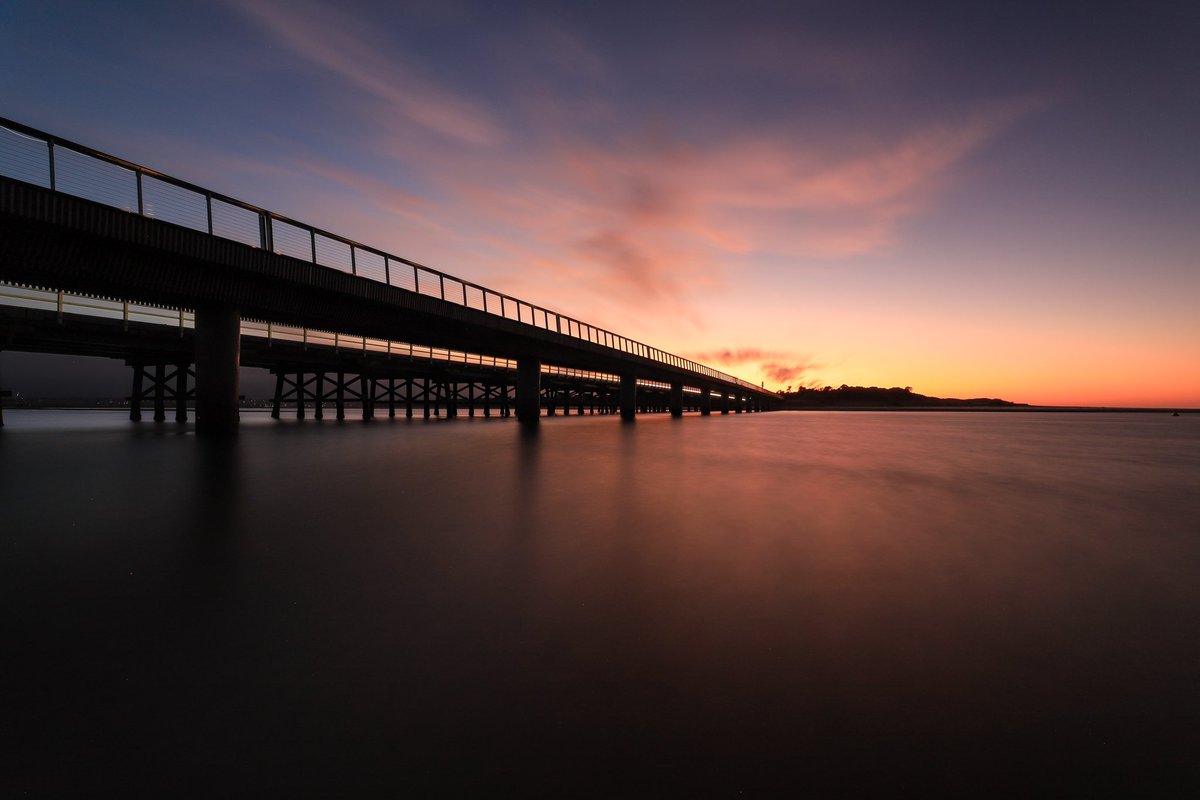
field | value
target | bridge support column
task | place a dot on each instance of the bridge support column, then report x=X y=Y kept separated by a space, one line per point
x=675 y=400
x=218 y=357
x=160 y=392
x=529 y=390
x=181 y=376
x=628 y=397
x=135 y=396
x=408 y=392
x=319 y=396
x=278 y=400
x=737 y=404
x=705 y=402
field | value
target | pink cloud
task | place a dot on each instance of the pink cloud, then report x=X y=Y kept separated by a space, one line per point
x=579 y=206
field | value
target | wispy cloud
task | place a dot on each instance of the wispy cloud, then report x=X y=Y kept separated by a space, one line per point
x=345 y=46
x=576 y=191
x=778 y=367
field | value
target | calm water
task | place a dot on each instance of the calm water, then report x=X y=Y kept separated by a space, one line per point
x=790 y=604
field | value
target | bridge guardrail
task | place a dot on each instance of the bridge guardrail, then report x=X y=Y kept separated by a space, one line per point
x=36 y=157
x=90 y=305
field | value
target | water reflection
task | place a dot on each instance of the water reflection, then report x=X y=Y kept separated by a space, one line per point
x=840 y=604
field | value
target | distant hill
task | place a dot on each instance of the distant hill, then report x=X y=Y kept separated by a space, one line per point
x=875 y=397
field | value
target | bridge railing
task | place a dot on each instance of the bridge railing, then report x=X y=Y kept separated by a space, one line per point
x=39 y=158
x=111 y=308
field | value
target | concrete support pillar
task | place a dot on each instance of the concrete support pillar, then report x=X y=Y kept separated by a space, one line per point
x=737 y=404
x=391 y=398
x=319 y=396
x=675 y=400
x=529 y=390
x=181 y=375
x=135 y=397
x=300 y=395
x=366 y=393
x=275 y=404
x=218 y=358
x=628 y=397
x=705 y=402
x=408 y=387
x=339 y=409
x=160 y=392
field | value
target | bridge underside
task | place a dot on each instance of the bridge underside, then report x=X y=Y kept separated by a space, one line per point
x=315 y=379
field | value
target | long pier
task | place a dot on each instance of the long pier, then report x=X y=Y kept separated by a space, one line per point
x=101 y=256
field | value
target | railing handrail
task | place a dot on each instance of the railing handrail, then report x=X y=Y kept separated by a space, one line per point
x=639 y=349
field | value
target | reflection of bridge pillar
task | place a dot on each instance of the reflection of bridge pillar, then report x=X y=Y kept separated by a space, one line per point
x=218 y=356
x=628 y=397
x=676 y=400
x=529 y=390
x=705 y=402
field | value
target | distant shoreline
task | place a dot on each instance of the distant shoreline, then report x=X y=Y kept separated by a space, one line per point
x=875 y=398
x=1005 y=409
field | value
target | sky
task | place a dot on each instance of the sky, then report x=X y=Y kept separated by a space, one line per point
x=971 y=198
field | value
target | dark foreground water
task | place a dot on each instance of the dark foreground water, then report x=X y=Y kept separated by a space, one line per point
x=774 y=605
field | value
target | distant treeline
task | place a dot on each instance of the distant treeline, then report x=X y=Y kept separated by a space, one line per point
x=873 y=396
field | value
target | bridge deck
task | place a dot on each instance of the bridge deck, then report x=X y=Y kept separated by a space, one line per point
x=94 y=227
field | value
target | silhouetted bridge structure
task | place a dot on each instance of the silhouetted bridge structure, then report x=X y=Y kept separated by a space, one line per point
x=100 y=256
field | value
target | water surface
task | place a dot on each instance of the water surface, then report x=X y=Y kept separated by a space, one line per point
x=789 y=604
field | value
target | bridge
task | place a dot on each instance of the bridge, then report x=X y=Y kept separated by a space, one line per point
x=102 y=256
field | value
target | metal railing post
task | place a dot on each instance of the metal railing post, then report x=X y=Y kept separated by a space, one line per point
x=264 y=231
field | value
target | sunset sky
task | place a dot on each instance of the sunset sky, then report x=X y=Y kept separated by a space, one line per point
x=969 y=198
